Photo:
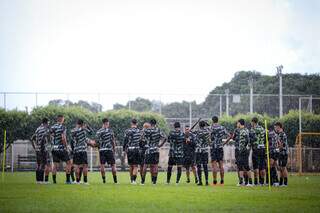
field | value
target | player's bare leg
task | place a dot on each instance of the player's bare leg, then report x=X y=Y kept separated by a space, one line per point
x=188 y=173
x=47 y=172
x=194 y=170
x=54 y=172
x=179 y=171
x=103 y=173
x=214 y=171
x=85 y=173
x=114 y=173
x=221 y=168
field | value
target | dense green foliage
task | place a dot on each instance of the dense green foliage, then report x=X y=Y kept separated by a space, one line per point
x=295 y=84
x=20 y=125
x=19 y=193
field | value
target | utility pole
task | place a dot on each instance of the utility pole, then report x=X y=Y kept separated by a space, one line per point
x=279 y=73
x=227 y=101
x=251 y=94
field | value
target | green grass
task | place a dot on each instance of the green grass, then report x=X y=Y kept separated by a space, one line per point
x=19 y=193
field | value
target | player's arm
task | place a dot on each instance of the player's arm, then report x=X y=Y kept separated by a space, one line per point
x=64 y=139
x=126 y=141
x=114 y=143
x=33 y=138
x=163 y=139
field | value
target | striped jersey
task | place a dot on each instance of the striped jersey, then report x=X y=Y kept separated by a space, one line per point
x=203 y=140
x=282 y=139
x=57 y=130
x=176 y=139
x=42 y=138
x=132 y=138
x=218 y=132
x=257 y=137
x=79 y=138
x=152 y=137
x=104 y=139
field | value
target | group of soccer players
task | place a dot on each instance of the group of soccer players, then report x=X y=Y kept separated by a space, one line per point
x=189 y=148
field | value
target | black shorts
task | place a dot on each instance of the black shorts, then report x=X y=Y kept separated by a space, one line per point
x=60 y=155
x=258 y=159
x=133 y=157
x=283 y=160
x=243 y=163
x=43 y=157
x=217 y=154
x=152 y=158
x=189 y=160
x=107 y=156
x=80 y=158
x=202 y=158
x=175 y=161
x=274 y=156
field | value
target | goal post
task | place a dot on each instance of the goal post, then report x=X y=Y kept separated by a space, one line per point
x=302 y=133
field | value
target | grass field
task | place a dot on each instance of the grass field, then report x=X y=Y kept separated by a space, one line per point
x=19 y=193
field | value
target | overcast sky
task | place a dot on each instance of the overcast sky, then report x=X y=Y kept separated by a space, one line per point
x=150 y=46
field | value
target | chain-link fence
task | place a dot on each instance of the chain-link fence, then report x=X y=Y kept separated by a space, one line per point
x=21 y=157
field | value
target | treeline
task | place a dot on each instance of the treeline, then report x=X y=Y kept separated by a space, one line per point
x=294 y=84
x=21 y=125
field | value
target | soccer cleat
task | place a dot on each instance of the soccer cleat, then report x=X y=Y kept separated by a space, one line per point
x=276 y=184
x=86 y=183
x=200 y=184
x=134 y=183
x=141 y=184
x=68 y=182
x=188 y=181
x=249 y=185
x=238 y=184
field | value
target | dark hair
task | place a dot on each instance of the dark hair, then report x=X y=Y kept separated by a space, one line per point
x=80 y=122
x=105 y=120
x=134 y=121
x=187 y=126
x=176 y=124
x=279 y=124
x=241 y=121
x=60 y=116
x=255 y=120
x=44 y=120
x=215 y=119
x=202 y=124
x=153 y=122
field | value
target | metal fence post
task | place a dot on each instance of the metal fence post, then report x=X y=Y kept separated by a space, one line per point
x=220 y=105
x=190 y=114
x=12 y=157
x=91 y=159
x=227 y=102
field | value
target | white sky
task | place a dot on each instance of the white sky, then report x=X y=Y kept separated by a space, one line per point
x=158 y=47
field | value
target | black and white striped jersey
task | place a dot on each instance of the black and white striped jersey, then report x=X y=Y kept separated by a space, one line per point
x=152 y=137
x=79 y=139
x=132 y=138
x=104 y=139
x=41 y=138
x=57 y=130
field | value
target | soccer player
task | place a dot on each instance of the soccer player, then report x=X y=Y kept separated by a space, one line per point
x=153 y=136
x=244 y=150
x=274 y=155
x=189 y=148
x=80 y=158
x=176 y=139
x=257 y=139
x=218 y=132
x=59 y=149
x=106 y=142
x=40 y=140
x=142 y=150
x=131 y=146
x=203 y=140
x=283 y=154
